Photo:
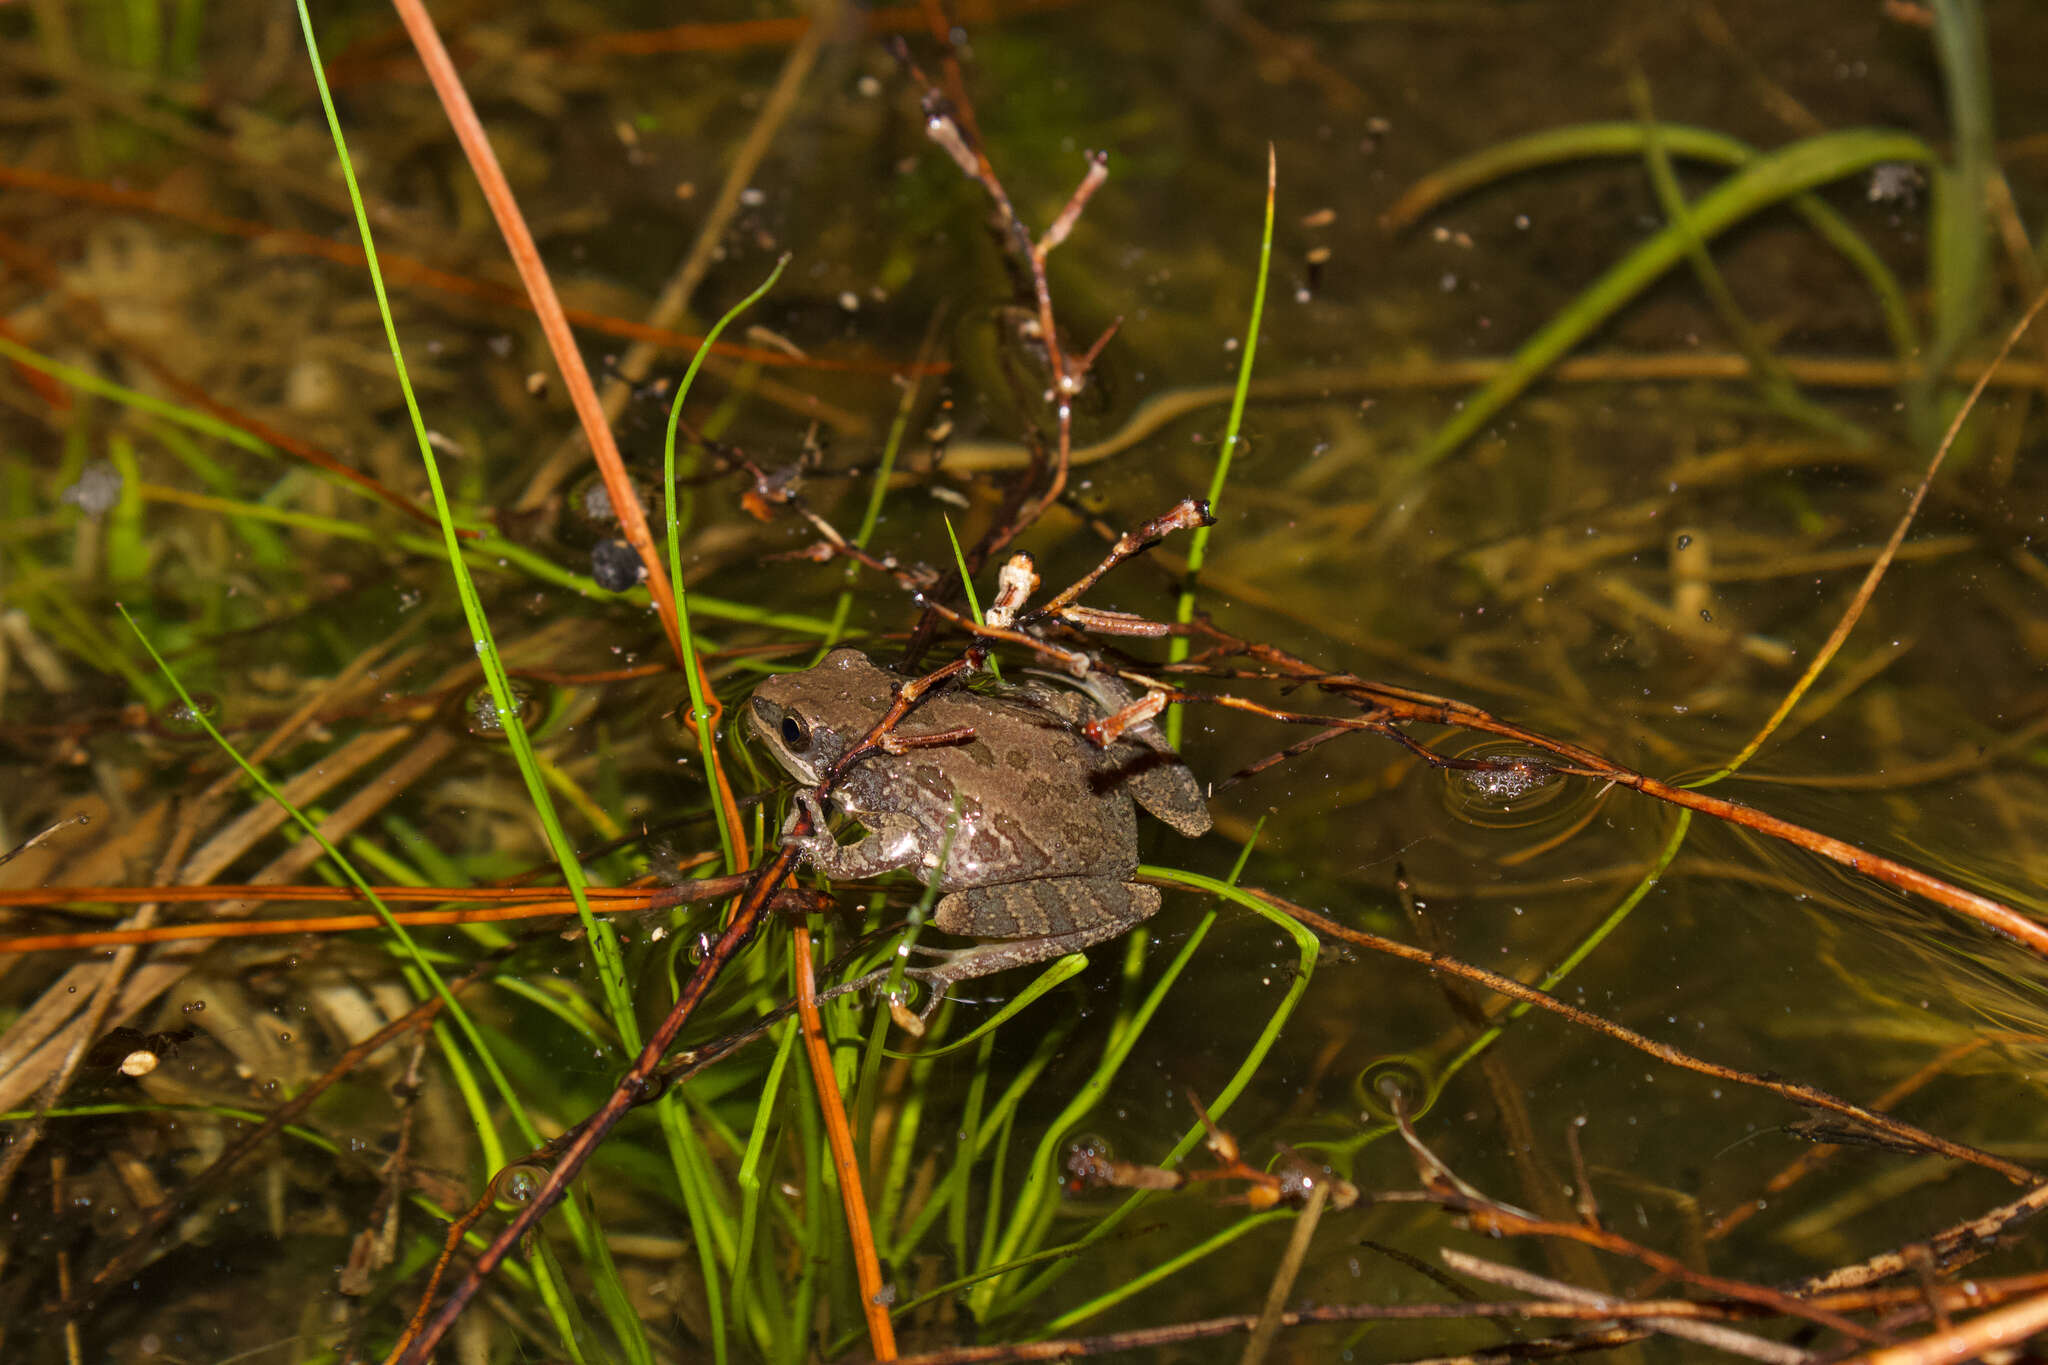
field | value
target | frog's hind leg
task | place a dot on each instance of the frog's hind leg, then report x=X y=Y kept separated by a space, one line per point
x=1047 y=907
x=1032 y=922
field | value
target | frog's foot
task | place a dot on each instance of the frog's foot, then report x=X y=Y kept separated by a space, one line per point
x=819 y=842
x=892 y=841
x=1157 y=779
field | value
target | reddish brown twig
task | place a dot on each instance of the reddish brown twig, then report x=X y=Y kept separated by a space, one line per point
x=1896 y=1129
x=542 y=903
x=1384 y=706
x=1184 y=515
x=949 y=123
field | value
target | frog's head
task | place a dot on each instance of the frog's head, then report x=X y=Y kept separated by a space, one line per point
x=810 y=719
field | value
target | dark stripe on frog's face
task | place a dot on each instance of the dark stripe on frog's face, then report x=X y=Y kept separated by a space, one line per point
x=802 y=750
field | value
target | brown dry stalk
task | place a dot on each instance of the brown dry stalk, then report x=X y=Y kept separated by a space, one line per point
x=604 y=451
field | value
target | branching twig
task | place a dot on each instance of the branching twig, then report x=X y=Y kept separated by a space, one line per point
x=1384 y=705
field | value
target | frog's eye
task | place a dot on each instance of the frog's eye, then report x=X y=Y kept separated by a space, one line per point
x=795 y=733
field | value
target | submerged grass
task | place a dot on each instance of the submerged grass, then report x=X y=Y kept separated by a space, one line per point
x=424 y=977
x=1198 y=543
x=1758 y=183
x=959 y=1136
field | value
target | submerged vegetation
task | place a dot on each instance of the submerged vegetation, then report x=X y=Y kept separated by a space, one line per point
x=1568 y=501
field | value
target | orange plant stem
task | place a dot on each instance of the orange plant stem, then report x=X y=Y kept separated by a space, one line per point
x=554 y=324
x=839 y=1134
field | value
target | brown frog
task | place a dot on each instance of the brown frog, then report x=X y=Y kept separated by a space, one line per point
x=1043 y=834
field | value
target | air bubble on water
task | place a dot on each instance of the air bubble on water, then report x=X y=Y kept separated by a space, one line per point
x=1514 y=784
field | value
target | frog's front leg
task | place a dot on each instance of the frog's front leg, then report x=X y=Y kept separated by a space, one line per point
x=892 y=841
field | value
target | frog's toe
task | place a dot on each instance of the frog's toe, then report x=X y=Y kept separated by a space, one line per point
x=1169 y=792
x=1047 y=908
x=811 y=845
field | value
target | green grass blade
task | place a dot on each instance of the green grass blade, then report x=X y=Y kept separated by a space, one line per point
x=1064 y=969
x=753 y=1188
x=967 y=586
x=707 y=1220
x=603 y=941
x=700 y=714
x=1164 y=1270
x=966 y=578
x=609 y=960
x=1198 y=545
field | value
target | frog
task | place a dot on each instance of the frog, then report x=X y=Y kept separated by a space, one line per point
x=1026 y=828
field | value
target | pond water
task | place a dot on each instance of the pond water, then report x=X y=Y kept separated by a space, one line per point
x=1766 y=250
